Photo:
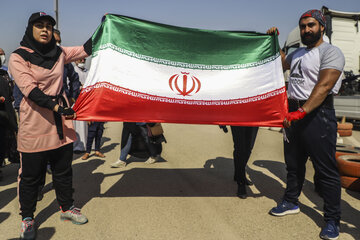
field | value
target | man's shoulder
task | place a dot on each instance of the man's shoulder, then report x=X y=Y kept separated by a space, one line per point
x=327 y=47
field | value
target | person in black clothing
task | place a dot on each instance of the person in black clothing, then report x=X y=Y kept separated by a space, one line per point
x=244 y=140
x=8 y=123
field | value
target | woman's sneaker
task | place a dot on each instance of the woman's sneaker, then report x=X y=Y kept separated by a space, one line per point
x=285 y=208
x=74 y=215
x=28 y=230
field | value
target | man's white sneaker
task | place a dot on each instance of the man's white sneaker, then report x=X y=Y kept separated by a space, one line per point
x=118 y=164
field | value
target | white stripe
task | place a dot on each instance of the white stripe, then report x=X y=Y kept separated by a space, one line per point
x=151 y=78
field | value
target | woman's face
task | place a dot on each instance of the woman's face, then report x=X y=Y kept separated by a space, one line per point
x=42 y=31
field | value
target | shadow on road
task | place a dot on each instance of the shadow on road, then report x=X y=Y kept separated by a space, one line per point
x=42 y=234
x=6 y=196
x=4 y=216
x=215 y=179
x=10 y=173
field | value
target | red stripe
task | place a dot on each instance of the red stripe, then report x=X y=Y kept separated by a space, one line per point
x=104 y=104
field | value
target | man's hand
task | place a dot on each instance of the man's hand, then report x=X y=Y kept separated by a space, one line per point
x=273 y=30
x=293 y=116
x=285 y=65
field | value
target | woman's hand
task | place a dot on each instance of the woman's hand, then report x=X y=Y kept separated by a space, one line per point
x=69 y=113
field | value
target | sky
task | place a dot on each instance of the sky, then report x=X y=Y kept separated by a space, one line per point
x=78 y=19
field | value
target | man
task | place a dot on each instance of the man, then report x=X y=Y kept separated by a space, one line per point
x=71 y=78
x=310 y=125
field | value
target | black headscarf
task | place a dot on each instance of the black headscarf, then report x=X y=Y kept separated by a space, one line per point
x=45 y=55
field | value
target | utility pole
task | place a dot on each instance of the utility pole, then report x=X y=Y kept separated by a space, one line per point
x=56 y=7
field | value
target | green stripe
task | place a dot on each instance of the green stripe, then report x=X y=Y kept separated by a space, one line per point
x=184 y=64
x=184 y=45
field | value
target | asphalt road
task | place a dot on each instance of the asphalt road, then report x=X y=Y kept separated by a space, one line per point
x=190 y=194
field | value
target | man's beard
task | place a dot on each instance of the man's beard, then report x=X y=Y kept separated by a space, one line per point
x=310 y=38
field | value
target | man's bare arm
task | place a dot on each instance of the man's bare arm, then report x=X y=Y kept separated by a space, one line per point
x=327 y=80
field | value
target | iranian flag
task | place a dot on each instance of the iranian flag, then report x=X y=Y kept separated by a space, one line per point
x=143 y=71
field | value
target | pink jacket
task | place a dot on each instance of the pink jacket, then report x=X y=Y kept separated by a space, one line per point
x=37 y=129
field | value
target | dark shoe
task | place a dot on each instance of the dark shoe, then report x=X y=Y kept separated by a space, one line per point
x=28 y=230
x=330 y=231
x=285 y=208
x=247 y=181
x=241 y=192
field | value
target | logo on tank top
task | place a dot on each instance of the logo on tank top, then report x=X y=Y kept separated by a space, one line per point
x=296 y=74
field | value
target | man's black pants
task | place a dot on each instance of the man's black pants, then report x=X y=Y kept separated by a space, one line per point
x=244 y=140
x=314 y=137
x=32 y=175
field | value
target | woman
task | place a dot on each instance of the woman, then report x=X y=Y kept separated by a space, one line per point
x=45 y=130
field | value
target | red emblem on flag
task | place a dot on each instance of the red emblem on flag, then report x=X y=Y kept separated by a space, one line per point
x=189 y=84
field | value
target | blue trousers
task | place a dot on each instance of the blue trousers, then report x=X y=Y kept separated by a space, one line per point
x=95 y=130
x=314 y=137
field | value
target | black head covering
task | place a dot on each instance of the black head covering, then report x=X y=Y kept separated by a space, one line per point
x=45 y=54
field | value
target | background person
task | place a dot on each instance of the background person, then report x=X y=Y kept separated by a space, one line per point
x=8 y=122
x=95 y=131
x=81 y=127
x=310 y=125
x=135 y=140
x=71 y=82
x=44 y=132
x=244 y=140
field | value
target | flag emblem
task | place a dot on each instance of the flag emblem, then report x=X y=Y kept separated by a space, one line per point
x=189 y=85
